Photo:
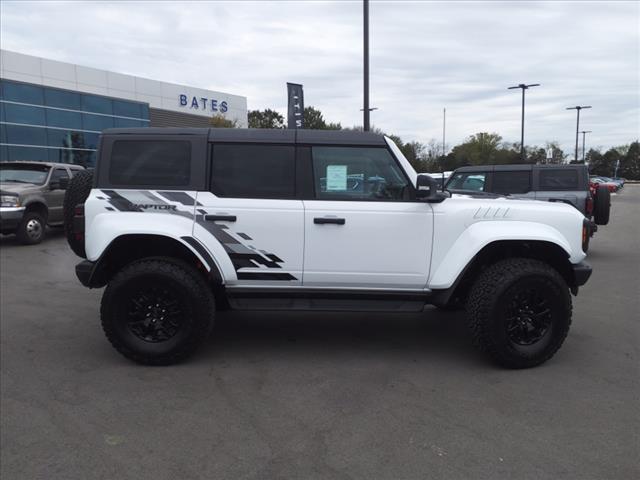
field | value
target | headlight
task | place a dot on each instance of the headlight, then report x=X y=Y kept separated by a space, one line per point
x=9 y=201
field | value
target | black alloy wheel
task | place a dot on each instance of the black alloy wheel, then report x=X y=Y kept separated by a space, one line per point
x=528 y=318
x=155 y=314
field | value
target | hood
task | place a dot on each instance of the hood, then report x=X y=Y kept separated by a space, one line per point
x=18 y=188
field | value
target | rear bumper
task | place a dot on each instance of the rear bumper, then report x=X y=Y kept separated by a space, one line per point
x=581 y=273
x=90 y=274
x=84 y=272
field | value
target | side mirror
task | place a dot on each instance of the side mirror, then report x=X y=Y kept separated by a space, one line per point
x=427 y=189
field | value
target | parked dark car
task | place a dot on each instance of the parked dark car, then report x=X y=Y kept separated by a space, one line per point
x=552 y=183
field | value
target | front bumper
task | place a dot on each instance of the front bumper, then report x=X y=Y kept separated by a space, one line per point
x=581 y=273
x=10 y=218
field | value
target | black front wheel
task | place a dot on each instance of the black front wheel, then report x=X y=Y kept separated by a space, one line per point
x=519 y=312
x=157 y=311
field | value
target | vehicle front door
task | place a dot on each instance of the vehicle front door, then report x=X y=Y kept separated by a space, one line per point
x=54 y=194
x=251 y=215
x=362 y=229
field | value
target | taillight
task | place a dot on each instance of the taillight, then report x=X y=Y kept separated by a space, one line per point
x=589 y=206
x=586 y=234
x=79 y=210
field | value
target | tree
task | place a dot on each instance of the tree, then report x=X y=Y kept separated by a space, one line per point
x=266 y=118
x=536 y=155
x=314 y=120
x=630 y=165
x=414 y=152
x=219 y=121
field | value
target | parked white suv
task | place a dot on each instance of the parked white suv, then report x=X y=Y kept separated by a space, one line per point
x=178 y=223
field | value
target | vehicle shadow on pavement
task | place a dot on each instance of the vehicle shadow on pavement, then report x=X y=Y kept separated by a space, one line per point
x=12 y=240
x=430 y=334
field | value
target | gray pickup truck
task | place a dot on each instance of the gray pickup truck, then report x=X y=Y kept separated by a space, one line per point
x=31 y=197
x=550 y=183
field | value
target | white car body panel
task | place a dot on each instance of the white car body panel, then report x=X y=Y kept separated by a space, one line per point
x=264 y=230
x=464 y=225
x=381 y=244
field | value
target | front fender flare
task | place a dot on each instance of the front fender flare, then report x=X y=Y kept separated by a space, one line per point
x=479 y=235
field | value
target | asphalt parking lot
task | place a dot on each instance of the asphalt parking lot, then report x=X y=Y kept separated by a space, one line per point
x=318 y=395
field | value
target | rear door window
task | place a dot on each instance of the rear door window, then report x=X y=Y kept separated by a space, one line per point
x=558 y=179
x=253 y=171
x=518 y=181
x=162 y=163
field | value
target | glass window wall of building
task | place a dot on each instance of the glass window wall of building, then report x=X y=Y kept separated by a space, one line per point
x=49 y=124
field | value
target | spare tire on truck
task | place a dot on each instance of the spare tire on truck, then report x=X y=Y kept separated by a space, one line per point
x=602 y=205
x=77 y=192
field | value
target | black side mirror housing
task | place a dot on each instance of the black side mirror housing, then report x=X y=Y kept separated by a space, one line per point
x=427 y=189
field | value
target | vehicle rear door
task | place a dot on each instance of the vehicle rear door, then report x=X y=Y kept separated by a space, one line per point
x=54 y=194
x=362 y=230
x=560 y=185
x=251 y=216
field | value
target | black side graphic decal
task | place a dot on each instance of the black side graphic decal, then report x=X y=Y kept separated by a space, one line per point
x=243 y=256
x=180 y=197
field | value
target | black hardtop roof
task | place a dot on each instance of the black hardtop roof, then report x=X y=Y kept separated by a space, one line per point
x=514 y=167
x=260 y=135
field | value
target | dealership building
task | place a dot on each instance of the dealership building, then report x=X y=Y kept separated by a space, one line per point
x=54 y=111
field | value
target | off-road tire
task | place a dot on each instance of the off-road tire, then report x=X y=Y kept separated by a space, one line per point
x=602 y=205
x=488 y=311
x=31 y=229
x=77 y=192
x=184 y=283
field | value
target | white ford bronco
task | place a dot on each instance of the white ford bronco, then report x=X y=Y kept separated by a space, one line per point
x=179 y=223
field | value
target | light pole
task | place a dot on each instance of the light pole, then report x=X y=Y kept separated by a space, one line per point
x=444 y=129
x=366 y=109
x=584 y=133
x=523 y=87
x=577 y=108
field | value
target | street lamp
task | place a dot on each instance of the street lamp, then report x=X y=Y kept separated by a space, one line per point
x=523 y=87
x=366 y=109
x=578 y=108
x=584 y=133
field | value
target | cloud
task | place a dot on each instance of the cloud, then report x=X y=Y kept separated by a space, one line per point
x=424 y=56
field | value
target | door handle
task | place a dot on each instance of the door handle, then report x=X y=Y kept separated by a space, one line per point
x=325 y=220
x=220 y=218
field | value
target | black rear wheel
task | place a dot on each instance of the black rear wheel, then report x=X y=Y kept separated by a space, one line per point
x=519 y=312
x=77 y=192
x=602 y=205
x=157 y=311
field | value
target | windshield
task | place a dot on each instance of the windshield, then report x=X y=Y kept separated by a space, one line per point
x=23 y=174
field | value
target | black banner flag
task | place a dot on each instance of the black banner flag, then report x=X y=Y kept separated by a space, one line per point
x=296 y=106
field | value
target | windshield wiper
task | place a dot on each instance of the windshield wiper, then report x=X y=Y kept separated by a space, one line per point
x=14 y=180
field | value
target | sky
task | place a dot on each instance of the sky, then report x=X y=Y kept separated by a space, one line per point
x=425 y=56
